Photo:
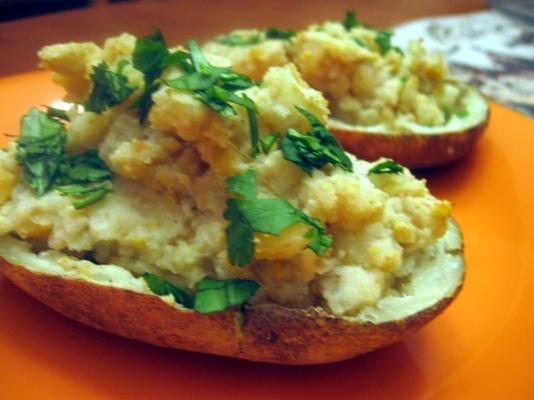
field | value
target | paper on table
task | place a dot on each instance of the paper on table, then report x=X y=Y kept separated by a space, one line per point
x=485 y=48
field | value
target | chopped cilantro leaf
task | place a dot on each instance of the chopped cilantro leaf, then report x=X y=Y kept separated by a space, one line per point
x=386 y=167
x=84 y=196
x=214 y=295
x=41 y=150
x=109 y=89
x=268 y=141
x=383 y=40
x=87 y=167
x=314 y=149
x=239 y=39
x=162 y=287
x=359 y=42
x=151 y=57
x=216 y=87
x=149 y=54
x=270 y=216
x=350 y=20
x=275 y=33
x=242 y=184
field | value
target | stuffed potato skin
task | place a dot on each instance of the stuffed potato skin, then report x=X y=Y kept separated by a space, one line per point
x=265 y=333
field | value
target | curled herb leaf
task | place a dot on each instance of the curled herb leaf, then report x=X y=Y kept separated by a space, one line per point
x=270 y=216
x=41 y=150
x=84 y=196
x=109 y=89
x=162 y=287
x=239 y=39
x=383 y=40
x=214 y=295
x=350 y=20
x=314 y=149
x=268 y=141
x=275 y=33
x=216 y=87
x=386 y=167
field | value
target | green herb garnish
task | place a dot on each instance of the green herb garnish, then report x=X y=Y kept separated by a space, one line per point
x=211 y=296
x=275 y=33
x=239 y=39
x=162 y=287
x=248 y=215
x=109 y=89
x=315 y=148
x=386 y=167
x=383 y=40
x=216 y=87
x=41 y=150
x=350 y=20
x=214 y=295
x=359 y=42
x=268 y=141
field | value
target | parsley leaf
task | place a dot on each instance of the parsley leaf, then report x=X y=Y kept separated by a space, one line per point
x=244 y=185
x=109 y=89
x=214 y=295
x=386 y=167
x=87 y=167
x=215 y=87
x=315 y=148
x=239 y=39
x=383 y=40
x=84 y=196
x=162 y=287
x=85 y=178
x=268 y=141
x=275 y=33
x=41 y=150
x=150 y=56
x=350 y=20
x=270 y=216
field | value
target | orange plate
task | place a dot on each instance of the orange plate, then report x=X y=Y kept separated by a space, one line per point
x=480 y=348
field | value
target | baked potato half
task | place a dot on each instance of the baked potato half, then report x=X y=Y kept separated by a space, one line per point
x=419 y=147
x=188 y=206
x=113 y=300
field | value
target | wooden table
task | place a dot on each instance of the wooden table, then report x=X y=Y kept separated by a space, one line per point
x=183 y=19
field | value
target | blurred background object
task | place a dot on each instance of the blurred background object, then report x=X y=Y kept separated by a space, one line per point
x=12 y=9
x=519 y=10
x=488 y=50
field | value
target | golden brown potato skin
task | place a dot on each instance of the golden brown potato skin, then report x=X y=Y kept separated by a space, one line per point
x=415 y=151
x=266 y=333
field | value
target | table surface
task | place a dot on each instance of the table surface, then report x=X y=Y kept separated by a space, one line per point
x=183 y=19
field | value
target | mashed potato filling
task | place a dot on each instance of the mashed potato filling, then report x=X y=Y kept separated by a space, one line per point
x=367 y=81
x=165 y=213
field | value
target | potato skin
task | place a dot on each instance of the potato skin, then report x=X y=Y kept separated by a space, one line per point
x=415 y=151
x=265 y=333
